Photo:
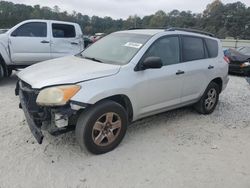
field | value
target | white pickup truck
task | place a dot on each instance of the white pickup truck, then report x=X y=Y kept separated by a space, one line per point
x=34 y=41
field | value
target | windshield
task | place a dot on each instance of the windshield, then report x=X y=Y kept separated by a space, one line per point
x=116 y=48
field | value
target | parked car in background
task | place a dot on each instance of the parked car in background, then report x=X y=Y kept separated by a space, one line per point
x=87 y=41
x=106 y=87
x=97 y=36
x=244 y=50
x=239 y=60
x=34 y=41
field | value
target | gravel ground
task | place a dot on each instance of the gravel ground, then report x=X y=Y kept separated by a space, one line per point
x=175 y=149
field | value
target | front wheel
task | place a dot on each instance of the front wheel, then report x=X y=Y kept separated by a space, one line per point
x=209 y=100
x=102 y=127
x=1 y=71
x=9 y=72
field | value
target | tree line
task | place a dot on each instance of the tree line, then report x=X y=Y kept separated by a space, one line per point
x=224 y=20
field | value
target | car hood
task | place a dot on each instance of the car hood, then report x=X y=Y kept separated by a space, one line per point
x=66 y=70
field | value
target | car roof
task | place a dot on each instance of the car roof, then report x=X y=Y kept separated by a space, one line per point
x=44 y=20
x=143 y=31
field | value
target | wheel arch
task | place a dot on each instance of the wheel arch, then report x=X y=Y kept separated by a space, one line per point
x=4 y=57
x=4 y=53
x=219 y=82
x=2 y=62
x=124 y=101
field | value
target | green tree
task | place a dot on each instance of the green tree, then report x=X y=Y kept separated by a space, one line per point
x=158 y=19
x=223 y=20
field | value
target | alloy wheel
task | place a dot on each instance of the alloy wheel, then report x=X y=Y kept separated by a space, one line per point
x=106 y=129
x=211 y=98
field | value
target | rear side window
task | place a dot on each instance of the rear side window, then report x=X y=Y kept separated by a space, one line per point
x=212 y=47
x=192 y=48
x=33 y=29
x=63 y=31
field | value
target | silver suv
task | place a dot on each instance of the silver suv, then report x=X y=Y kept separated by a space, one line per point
x=125 y=76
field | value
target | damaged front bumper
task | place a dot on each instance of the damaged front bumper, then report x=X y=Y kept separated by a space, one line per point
x=35 y=129
x=55 y=120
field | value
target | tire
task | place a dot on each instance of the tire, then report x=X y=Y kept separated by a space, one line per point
x=209 y=100
x=1 y=71
x=98 y=133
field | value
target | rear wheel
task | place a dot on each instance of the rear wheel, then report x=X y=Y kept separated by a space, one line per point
x=102 y=127
x=209 y=100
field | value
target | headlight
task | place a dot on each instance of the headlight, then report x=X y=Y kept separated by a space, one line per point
x=245 y=64
x=57 y=96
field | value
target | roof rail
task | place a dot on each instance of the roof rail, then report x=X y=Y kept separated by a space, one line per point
x=135 y=28
x=177 y=29
x=190 y=30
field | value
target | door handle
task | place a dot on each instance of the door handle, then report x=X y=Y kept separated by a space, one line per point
x=45 y=42
x=180 y=72
x=74 y=43
x=210 y=67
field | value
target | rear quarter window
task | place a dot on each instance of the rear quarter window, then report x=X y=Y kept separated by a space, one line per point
x=212 y=47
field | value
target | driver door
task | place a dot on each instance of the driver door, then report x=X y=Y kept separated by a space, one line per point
x=30 y=43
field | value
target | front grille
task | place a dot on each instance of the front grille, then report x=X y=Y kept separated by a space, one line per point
x=235 y=68
x=25 y=85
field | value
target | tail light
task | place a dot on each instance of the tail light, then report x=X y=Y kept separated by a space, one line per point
x=226 y=59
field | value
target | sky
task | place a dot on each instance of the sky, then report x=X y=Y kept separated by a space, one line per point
x=124 y=8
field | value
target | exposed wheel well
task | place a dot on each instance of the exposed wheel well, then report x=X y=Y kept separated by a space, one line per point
x=219 y=82
x=125 y=102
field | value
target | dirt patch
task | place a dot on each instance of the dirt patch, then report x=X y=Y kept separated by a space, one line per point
x=175 y=149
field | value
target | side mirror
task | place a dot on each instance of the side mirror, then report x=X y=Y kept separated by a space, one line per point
x=151 y=63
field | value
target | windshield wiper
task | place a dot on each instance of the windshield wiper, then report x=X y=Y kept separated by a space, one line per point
x=93 y=59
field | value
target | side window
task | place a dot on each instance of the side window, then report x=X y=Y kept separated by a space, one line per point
x=167 y=49
x=212 y=47
x=192 y=48
x=33 y=29
x=63 y=31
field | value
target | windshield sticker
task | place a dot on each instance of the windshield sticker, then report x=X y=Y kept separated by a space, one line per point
x=133 y=45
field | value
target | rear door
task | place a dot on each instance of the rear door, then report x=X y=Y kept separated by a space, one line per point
x=64 y=40
x=30 y=43
x=196 y=67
